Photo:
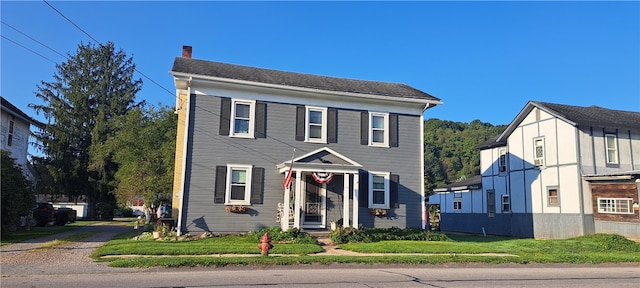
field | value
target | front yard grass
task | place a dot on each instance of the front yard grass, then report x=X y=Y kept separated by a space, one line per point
x=599 y=248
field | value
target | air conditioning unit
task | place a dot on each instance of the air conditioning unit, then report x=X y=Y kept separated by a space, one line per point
x=538 y=162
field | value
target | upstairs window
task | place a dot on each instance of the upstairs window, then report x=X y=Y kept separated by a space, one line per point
x=611 y=143
x=379 y=129
x=538 y=151
x=242 y=123
x=502 y=160
x=457 y=204
x=316 y=124
x=10 y=136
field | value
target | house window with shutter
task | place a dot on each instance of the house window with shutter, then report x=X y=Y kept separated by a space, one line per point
x=242 y=122
x=538 y=151
x=316 y=128
x=379 y=190
x=611 y=143
x=238 y=190
x=379 y=129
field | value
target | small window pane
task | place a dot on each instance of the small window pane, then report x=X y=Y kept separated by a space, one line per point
x=237 y=192
x=377 y=122
x=378 y=197
x=315 y=132
x=378 y=183
x=315 y=117
x=553 y=197
x=238 y=177
x=242 y=111
x=241 y=126
x=378 y=136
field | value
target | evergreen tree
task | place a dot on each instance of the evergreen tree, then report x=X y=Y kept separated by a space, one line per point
x=89 y=91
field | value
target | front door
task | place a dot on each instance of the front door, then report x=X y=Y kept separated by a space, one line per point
x=315 y=201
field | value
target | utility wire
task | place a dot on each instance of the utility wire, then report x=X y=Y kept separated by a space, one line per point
x=34 y=52
x=5 y=23
x=99 y=43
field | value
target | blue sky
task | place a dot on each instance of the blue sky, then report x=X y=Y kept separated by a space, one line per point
x=485 y=60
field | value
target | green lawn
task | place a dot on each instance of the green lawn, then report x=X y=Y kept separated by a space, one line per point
x=601 y=248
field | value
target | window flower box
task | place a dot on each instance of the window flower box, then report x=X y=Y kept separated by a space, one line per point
x=379 y=212
x=237 y=209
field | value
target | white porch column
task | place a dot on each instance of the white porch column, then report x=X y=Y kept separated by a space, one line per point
x=284 y=220
x=345 y=201
x=356 y=197
x=296 y=209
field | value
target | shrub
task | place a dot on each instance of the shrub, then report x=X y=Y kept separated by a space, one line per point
x=122 y=211
x=351 y=235
x=293 y=235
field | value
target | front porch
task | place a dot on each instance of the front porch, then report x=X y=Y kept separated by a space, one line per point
x=324 y=194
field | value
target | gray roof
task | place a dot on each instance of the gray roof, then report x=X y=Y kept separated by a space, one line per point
x=472 y=183
x=12 y=109
x=593 y=116
x=491 y=143
x=267 y=76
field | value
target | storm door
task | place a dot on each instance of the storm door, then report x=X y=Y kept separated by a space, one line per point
x=314 y=204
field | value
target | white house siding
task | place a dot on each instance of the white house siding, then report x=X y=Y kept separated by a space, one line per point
x=20 y=142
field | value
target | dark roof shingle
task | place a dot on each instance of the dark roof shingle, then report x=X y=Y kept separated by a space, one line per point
x=594 y=116
x=267 y=76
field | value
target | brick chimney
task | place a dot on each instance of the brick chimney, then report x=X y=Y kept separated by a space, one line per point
x=186 y=51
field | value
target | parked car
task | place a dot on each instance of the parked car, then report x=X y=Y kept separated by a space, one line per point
x=45 y=214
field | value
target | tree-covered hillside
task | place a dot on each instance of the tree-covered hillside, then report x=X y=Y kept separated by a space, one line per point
x=449 y=150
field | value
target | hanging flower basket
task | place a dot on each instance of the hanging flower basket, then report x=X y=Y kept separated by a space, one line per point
x=237 y=209
x=379 y=212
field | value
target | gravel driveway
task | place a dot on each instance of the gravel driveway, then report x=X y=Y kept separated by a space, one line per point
x=74 y=258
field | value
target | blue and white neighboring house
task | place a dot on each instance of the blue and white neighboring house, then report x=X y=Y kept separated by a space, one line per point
x=14 y=136
x=358 y=145
x=557 y=171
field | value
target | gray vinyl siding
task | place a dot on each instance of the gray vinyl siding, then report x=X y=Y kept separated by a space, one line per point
x=207 y=149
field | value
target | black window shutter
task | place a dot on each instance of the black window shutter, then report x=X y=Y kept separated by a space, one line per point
x=393 y=190
x=257 y=175
x=261 y=120
x=393 y=130
x=363 y=195
x=221 y=184
x=225 y=115
x=300 y=117
x=332 y=125
x=364 y=128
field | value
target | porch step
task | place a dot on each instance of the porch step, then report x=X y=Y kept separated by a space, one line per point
x=317 y=233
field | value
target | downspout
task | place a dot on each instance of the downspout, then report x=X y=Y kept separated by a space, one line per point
x=422 y=195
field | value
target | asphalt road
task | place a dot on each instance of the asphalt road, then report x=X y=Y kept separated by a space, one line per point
x=70 y=266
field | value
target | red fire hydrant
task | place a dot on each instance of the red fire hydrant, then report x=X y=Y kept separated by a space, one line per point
x=265 y=244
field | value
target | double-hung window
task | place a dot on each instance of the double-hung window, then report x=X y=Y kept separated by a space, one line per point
x=538 y=151
x=506 y=204
x=10 y=136
x=615 y=205
x=242 y=122
x=379 y=129
x=491 y=204
x=553 y=197
x=238 y=189
x=379 y=183
x=316 y=128
x=611 y=143
x=502 y=161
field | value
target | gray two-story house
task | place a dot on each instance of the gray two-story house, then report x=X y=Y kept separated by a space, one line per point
x=353 y=148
